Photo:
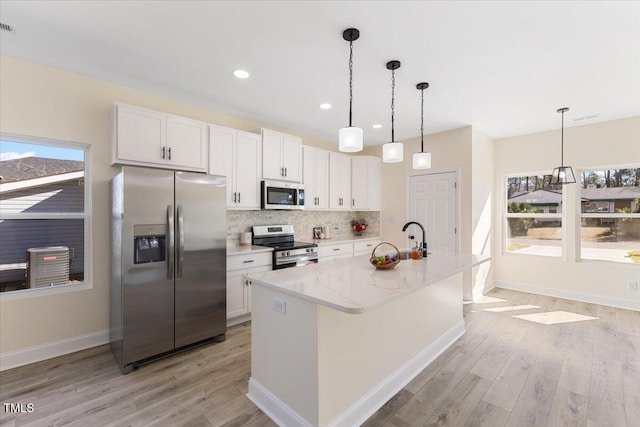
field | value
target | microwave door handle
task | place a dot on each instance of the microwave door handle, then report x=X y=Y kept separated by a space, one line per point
x=180 y=233
x=171 y=243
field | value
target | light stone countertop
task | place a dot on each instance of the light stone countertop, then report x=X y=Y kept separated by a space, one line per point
x=241 y=250
x=354 y=286
x=344 y=238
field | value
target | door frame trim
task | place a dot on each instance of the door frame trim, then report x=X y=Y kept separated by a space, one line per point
x=438 y=171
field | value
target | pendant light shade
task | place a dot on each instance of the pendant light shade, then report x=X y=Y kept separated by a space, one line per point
x=392 y=152
x=422 y=160
x=350 y=138
x=562 y=174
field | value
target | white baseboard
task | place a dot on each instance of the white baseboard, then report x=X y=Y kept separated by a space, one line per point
x=279 y=412
x=577 y=296
x=487 y=288
x=368 y=404
x=237 y=320
x=53 y=349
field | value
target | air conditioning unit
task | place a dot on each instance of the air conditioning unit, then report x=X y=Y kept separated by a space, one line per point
x=47 y=266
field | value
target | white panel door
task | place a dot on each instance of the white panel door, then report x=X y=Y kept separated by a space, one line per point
x=359 y=183
x=222 y=157
x=187 y=143
x=433 y=203
x=322 y=179
x=141 y=135
x=272 y=155
x=248 y=170
x=292 y=158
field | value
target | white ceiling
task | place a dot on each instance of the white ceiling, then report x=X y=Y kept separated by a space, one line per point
x=504 y=67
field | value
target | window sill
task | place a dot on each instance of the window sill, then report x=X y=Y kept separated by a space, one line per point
x=42 y=292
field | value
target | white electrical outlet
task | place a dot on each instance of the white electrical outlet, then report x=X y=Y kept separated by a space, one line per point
x=632 y=285
x=280 y=305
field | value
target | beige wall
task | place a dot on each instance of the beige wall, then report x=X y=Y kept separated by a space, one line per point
x=44 y=102
x=606 y=144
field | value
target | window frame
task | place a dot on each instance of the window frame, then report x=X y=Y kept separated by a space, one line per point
x=586 y=215
x=506 y=215
x=86 y=215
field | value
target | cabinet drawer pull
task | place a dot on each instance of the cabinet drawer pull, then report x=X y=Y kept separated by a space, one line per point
x=336 y=249
x=248 y=261
x=369 y=245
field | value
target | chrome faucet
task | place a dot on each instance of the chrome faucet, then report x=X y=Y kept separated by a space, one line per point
x=424 y=236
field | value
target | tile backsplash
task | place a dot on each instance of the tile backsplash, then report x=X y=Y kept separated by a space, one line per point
x=338 y=223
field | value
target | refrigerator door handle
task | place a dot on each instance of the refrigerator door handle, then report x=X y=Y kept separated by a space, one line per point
x=171 y=245
x=180 y=234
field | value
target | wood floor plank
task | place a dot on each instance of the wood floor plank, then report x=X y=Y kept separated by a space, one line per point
x=569 y=409
x=487 y=415
x=534 y=403
x=631 y=396
x=228 y=411
x=505 y=390
x=606 y=405
x=387 y=411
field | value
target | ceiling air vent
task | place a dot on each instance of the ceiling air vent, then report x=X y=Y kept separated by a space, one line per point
x=6 y=27
x=587 y=117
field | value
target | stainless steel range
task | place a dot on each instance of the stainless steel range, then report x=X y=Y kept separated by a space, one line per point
x=286 y=251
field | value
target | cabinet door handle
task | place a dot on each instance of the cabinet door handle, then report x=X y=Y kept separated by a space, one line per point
x=246 y=282
x=163 y=152
x=248 y=261
x=238 y=197
x=281 y=171
x=234 y=197
x=353 y=202
x=169 y=153
x=285 y=171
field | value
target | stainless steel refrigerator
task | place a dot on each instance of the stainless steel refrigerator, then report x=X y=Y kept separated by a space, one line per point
x=168 y=266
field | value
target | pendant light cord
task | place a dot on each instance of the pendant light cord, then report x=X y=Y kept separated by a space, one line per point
x=422 y=122
x=562 y=142
x=350 y=79
x=393 y=94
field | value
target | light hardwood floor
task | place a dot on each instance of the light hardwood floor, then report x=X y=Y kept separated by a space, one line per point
x=505 y=371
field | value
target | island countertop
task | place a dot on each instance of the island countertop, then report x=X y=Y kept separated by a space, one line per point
x=352 y=285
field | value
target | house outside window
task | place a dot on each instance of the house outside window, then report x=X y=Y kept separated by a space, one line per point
x=44 y=213
x=610 y=215
x=533 y=216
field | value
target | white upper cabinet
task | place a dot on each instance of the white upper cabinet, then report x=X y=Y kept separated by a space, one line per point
x=365 y=183
x=282 y=156
x=151 y=138
x=339 y=181
x=315 y=177
x=236 y=155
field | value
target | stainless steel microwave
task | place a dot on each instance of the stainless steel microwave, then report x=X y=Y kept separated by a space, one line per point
x=281 y=195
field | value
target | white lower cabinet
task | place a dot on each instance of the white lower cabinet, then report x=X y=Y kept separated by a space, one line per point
x=238 y=288
x=335 y=251
x=365 y=247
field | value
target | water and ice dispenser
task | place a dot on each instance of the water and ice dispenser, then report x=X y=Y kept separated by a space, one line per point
x=149 y=243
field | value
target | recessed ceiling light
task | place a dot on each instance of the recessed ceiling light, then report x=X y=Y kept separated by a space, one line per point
x=377 y=126
x=325 y=106
x=241 y=74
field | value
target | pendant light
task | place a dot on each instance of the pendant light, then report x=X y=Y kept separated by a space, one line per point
x=422 y=160
x=350 y=137
x=392 y=152
x=562 y=174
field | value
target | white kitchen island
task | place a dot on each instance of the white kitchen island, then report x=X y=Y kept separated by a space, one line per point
x=332 y=342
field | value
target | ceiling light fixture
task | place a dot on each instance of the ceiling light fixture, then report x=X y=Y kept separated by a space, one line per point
x=562 y=174
x=241 y=74
x=325 y=106
x=392 y=152
x=422 y=160
x=350 y=137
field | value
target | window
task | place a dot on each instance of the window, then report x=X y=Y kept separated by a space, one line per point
x=43 y=213
x=610 y=215
x=533 y=214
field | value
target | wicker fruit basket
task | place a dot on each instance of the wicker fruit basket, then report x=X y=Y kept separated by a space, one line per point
x=385 y=262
